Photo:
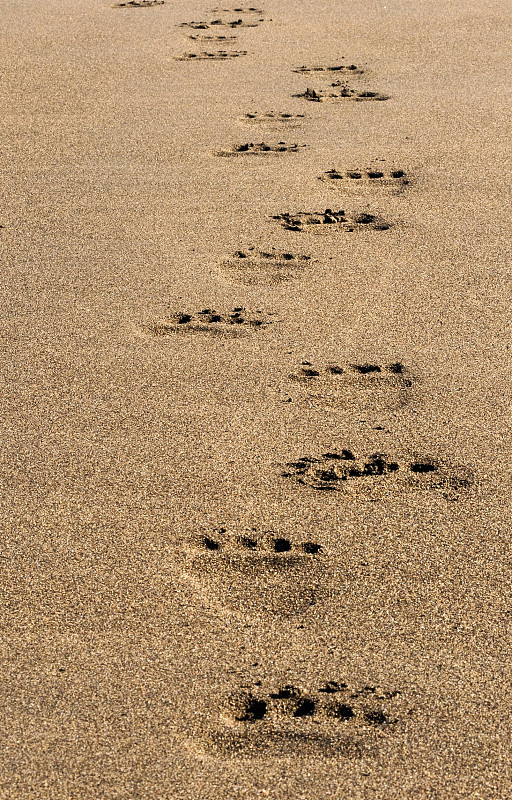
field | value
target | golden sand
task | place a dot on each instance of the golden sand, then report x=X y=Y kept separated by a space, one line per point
x=256 y=426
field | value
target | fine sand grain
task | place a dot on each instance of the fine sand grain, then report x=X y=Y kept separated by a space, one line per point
x=256 y=408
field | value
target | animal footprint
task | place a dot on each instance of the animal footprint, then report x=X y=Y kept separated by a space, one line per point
x=245 y=573
x=253 y=266
x=272 y=119
x=236 y=23
x=238 y=10
x=367 y=179
x=335 y=719
x=363 y=386
x=343 y=94
x=217 y=55
x=350 y=69
x=211 y=38
x=234 y=322
x=197 y=26
x=139 y=3
x=262 y=545
x=259 y=148
x=336 y=220
x=370 y=474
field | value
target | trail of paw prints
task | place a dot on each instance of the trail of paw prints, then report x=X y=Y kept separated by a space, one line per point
x=251 y=19
x=259 y=149
x=252 y=266
x=367 y=180
x=330 y=220
x=334 y=719
x=375 y=474
x=272 y=119
x=215 y=55
x=138 y=3
x=365 y=386
x=257 y=572
x=348 y=69
x=235 y=322
x=342 y=94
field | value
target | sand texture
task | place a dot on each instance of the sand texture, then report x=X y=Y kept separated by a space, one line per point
x=255 y=339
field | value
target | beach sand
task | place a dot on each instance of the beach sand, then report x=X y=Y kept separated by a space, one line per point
x=255 y=455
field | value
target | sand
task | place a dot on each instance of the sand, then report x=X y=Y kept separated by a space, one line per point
x=255 y=454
